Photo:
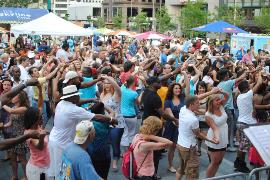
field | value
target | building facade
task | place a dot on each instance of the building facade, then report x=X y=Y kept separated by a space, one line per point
x=81 y=10
x=174 y=9
x=130 y=8
x=251 y=8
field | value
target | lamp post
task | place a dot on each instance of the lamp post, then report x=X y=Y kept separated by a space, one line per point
x=49 y=5
x=154 y=16
x=109 y=23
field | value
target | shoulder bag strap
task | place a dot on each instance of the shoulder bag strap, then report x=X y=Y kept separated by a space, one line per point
x=142 y=162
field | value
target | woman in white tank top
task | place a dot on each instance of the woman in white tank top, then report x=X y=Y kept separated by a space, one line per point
x=216 y=118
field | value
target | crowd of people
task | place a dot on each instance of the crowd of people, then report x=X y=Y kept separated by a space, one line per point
x=105 y=96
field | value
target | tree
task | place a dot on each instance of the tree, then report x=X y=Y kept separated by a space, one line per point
x=163 y=20
x=16 y=3
x=100 y=22
x=263 y=20
x=118 y=21
x=141 y=22
x=233 y=15
x=192 y=15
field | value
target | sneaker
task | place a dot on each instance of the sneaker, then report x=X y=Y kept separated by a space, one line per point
x=237 y=163
x=243 y=169
x=231 y=149
x=241 y=166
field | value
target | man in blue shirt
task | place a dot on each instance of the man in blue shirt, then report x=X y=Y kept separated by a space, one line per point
x=164 y=56
x=227 y=85
x=240 y=53
x=76 y=163
x=88 y=92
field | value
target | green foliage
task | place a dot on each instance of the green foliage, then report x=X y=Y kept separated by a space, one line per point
x=193 y=15
x=263 y=20
x=118 y=21
x=233 y=15
x=163 y=20
x=141 y=22
x=16 y=3
x=100 y=22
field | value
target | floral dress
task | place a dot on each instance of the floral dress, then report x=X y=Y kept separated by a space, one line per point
x=18 y=130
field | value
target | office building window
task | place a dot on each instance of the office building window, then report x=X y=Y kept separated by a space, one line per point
x=96 y=12
x=132 y=12
x=61 y=5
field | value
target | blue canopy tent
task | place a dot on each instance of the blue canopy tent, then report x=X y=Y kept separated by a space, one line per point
x=219 y=27
x=10 y=15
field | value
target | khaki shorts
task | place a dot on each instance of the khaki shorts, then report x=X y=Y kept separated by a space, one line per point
x=189 y=162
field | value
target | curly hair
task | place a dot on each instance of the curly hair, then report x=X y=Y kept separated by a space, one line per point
x=151 y=125
x=169 y=95
x=23 y=99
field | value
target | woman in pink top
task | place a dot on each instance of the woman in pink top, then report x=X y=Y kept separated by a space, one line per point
x=39 y=153
x=145 y=143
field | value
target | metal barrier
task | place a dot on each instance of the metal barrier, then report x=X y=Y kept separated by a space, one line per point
x=257 y=170
x=242 y=175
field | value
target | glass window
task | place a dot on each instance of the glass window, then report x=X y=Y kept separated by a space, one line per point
x=96 y=12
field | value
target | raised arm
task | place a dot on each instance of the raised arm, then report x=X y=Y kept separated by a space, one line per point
x=40 y=98
x=19 y=110
x=9 y=143
x=5 y=98
x=53 y=73
x=116 y=87
x=167 y=76
x=157 y=144
x=258 y=84
x=197 y=74
x=187 y=84
x=90 y=83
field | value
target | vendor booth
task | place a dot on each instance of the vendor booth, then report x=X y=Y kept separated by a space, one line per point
x=246 y=40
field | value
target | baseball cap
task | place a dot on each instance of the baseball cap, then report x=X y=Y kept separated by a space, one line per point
x=70 y=75
x=83 y=129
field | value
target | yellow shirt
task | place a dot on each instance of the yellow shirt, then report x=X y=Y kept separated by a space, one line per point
x=42 y=82
x=162 y=92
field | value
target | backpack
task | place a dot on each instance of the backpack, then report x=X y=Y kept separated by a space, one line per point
x=129 y=166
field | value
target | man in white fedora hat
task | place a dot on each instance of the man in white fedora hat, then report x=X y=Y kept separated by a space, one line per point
x=73 y=78
x=67 y=115
x=76 y=162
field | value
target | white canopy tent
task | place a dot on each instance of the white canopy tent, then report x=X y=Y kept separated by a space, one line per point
x=50 y=24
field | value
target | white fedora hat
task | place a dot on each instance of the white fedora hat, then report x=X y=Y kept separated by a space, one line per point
x=70 y=91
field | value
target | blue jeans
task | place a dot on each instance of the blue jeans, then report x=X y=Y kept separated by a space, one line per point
x=44 y=111
x=115 y=137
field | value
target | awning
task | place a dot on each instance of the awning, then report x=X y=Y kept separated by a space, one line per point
x=20 y=15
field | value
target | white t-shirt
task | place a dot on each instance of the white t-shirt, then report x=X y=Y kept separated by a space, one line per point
x=187 y=122
x=67 y=116
x=208 y=79
x=61 y=53
x=24 y=73
x=245 y=106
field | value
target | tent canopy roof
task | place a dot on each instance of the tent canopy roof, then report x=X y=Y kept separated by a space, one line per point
x=50 y=24
x=9 y=15
x=219 y=27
